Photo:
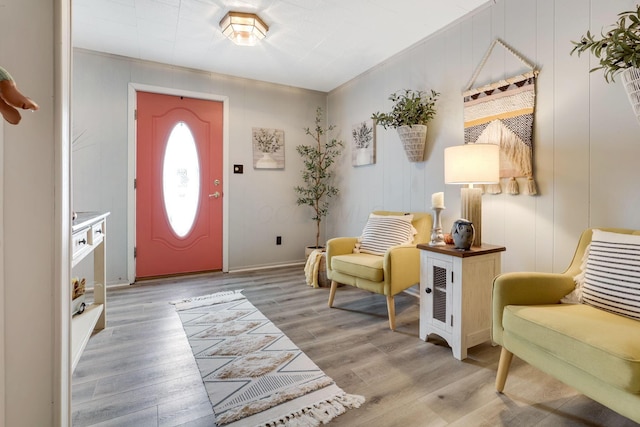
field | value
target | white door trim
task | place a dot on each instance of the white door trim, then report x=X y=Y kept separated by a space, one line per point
x=2 y=322
x=131 y=169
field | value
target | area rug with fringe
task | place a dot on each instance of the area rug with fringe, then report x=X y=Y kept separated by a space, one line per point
x=255 y=375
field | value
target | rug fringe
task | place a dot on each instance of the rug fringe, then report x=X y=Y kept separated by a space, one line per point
x=211 y=299
x=320 y=413
x=282 y=396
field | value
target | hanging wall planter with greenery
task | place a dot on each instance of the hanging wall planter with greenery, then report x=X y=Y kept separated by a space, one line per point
x=618 y=52
x=317 y=174
x=412 y=110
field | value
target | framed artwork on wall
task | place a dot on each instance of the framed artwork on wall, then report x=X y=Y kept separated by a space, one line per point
x=268 y=148
x=363 y=143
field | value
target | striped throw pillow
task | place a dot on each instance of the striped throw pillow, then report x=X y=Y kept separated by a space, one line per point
x=612 y=275
x=384 y=231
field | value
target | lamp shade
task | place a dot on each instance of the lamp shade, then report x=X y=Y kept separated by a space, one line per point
x=472 y=164
x=243 y=29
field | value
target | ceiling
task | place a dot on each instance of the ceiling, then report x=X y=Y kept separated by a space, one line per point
x=312 y=44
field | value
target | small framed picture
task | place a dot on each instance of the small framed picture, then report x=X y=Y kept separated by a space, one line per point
x=268 y=148
x=363 y=143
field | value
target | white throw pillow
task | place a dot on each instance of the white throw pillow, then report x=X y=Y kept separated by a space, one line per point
x=384 y=231
x=612 y=275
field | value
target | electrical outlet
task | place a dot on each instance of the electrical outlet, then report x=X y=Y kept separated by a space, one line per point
x=278 y=240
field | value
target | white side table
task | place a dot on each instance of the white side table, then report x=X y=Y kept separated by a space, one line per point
x=455 y=294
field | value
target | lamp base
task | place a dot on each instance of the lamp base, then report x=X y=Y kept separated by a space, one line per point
x=471 y=210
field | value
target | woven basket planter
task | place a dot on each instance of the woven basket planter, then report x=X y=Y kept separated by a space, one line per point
x=323 y=280
x=413 y=140
x=631 y=81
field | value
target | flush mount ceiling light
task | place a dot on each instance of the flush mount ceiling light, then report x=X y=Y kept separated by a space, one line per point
x=244 y=29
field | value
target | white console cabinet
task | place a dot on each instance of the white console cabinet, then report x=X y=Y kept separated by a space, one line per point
x=455 y=294
x=89 y=234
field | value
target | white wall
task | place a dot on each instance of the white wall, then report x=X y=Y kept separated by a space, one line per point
x=586 y=139
x=586 y=153
x=586 y=146
x=35 y=369
x=261 y=202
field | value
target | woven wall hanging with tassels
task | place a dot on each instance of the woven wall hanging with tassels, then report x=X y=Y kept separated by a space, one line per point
x=502 y=113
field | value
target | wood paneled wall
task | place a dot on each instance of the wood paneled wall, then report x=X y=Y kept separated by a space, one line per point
x=586 y=138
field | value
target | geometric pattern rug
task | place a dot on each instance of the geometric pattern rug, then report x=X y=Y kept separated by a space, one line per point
x=255 y=375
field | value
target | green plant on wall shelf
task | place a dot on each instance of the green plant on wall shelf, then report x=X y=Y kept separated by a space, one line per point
x=412 y=110
x=618 y=48
x=317 y=173
x=411 y=107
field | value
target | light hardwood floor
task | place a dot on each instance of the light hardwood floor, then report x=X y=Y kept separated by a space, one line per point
x=140 y=371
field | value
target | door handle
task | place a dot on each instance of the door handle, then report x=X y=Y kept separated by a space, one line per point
x=215 y=195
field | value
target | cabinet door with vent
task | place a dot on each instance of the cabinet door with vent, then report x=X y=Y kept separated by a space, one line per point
x=437 y=307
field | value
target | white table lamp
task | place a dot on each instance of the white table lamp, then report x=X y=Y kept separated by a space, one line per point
x=472 y=164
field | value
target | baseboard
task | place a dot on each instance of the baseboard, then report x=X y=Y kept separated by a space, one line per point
x=238 y=270
x=111 y=286
x=266 y=267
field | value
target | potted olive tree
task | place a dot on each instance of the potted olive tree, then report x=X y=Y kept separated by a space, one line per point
x=317 y=173
x=618 y=52
x=412 y=110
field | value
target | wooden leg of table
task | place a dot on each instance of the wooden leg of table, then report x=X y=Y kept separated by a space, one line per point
x=503 y=368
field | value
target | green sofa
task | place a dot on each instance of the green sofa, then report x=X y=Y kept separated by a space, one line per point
x=592 y=350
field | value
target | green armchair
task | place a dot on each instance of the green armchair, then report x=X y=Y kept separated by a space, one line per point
x=388 y=274
x=594 y=351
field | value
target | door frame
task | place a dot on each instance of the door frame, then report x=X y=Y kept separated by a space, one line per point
x=131 y=169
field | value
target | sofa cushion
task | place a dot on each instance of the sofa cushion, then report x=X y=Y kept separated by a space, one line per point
x=384 y=231
x=612 y=274
x=364 y=266
x=596 y=341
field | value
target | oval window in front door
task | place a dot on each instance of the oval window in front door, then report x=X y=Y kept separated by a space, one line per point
x=181 y=179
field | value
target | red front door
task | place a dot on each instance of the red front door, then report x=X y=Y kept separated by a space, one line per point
x=178 y=185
